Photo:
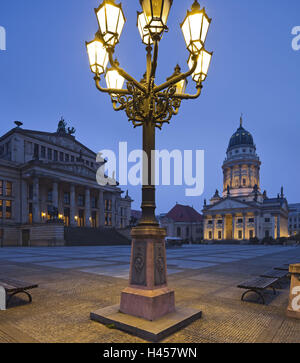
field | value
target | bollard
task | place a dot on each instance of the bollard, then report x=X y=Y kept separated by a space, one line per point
x=2 y=298
x=294 y=303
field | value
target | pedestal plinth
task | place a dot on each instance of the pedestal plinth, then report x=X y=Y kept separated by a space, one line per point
x=147 y=305
x=148 y=296
x=294 y=302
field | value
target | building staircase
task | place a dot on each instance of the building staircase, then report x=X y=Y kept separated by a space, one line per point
x=83 y=236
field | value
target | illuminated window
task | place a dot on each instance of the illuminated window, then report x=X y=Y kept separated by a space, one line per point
x=8 y=189
x=67 y=216
x=30 y=213
x=8 y=209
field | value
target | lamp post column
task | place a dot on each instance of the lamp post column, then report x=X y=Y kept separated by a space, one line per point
x=148 y=295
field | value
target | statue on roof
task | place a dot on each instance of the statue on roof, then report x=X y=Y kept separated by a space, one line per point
x=62 y=128
x=217 y=195
x=241 y=120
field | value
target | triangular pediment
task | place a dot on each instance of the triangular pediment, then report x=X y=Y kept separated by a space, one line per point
x=229 y=204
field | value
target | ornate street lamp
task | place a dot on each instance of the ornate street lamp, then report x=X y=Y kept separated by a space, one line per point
x=143 y=29
x=98 y=55
x=113 y=79
x=150 y=106
x=111 y=21
x=204 y=59
x=157 y=13
x=195 y=28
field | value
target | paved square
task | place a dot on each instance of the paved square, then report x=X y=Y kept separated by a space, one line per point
x=77 y=280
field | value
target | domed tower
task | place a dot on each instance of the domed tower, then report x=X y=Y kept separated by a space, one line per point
x=241 y=167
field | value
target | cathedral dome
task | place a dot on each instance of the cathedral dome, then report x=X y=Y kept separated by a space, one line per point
x=241 y=137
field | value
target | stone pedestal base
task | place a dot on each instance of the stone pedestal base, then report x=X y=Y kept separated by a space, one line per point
x=148 y=304
x=293 y=310
x=153 y=331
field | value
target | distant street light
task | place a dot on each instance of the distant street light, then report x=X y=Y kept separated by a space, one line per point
x=150 y=106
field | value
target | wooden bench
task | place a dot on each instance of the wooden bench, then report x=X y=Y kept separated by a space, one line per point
x=258 y=285
x=14 y=287
x=276 y=274
x=282 y=268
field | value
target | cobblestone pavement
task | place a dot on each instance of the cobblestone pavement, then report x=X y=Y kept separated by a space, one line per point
x=76 y=281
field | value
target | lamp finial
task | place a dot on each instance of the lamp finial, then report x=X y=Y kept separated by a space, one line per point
x=241 y=120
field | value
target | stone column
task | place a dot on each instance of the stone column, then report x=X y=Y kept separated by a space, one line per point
x=223 y=227
x=233 y=226
x=101 y=209
x=87 y=207
x=55 y=194
x=36 y=201
x=231 y=176
x=244 y=226
x=73 y=223
x=24 y=202
x=214 y=227
x=278 y=226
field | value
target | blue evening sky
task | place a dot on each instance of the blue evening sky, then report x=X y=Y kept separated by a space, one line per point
x=44 y=74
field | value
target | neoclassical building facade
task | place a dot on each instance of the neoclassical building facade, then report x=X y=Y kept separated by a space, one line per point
x=41 y=170
x=243 y=212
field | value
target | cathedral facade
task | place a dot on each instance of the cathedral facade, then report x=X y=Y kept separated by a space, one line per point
x=243 y=211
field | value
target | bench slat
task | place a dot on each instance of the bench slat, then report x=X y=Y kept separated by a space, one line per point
x=274 y=273
x=260 y=283
x=11 y=285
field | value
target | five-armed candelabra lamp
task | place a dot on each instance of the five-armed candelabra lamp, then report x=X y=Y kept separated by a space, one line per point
x=150 y=106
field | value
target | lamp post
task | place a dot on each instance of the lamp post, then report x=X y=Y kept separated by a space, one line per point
x=150 y=106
